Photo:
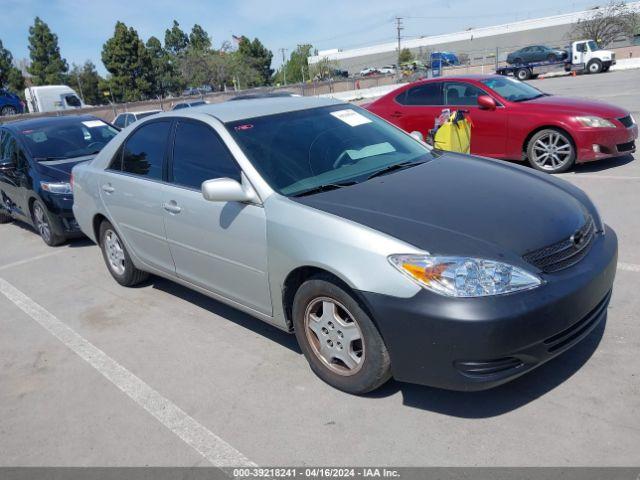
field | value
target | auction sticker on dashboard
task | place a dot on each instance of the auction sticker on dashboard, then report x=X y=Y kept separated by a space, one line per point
x=93 y=123
x=351 y=117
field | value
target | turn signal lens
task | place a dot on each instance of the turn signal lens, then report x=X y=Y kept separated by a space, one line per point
x=464 y=276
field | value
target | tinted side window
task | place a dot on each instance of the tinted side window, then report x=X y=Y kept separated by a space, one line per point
x=143 y=152
x=72 y=101
x=427 y=94
x=456 y=93
x=119 y=122
x=199 y=154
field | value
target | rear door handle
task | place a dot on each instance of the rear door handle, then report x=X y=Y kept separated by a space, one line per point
x=108 y=189
x=171 y=207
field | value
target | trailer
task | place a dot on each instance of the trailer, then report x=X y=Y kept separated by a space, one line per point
x=584 y=56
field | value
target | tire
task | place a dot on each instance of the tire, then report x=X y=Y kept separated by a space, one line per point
x=523 y=74
x=5 y=218
x=42 y=223
x=567 y=67
x=542 y=155
x=8 y=110
x=551 y=57
x=348 y=333
x=517 y=61
x=605 y=69
x=117 y=258
x=594 y=66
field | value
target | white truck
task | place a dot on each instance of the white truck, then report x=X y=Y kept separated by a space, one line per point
x=583 y=55
x=51 y=98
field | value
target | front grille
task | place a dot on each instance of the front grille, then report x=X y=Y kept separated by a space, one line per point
x=483 y=368
x=626 y=147
x=565 y=253
x=575 y=331
x=626 y=121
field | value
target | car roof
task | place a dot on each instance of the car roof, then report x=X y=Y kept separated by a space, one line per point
x=259 y=107
x=19 y=125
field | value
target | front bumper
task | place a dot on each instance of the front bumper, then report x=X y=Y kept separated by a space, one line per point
x=479 y=343
x=611 y=142
x=63 y=222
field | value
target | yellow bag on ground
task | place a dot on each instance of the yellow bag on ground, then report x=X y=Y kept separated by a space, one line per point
x=454 y=135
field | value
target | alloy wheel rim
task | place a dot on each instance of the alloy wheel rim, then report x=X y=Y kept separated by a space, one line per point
x=334 y=335
x=115 y=252
x=552 y=151
x=42 y=224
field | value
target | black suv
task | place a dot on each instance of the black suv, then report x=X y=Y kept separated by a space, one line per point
x=36 y=158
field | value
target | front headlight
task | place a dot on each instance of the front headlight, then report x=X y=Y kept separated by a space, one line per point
x=62 y=188
x=595 y=122
x=464 y=276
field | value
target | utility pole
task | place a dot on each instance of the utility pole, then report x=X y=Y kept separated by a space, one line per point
x=284 y=65
x=399 y=28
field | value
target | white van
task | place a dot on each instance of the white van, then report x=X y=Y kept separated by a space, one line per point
x=50 y=98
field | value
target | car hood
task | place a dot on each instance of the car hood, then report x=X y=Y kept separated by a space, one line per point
x=60 y=170
x=578 y=105
x=460 y=205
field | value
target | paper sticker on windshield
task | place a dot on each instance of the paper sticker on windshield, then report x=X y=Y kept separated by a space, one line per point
x=351 y=117
x=93 y=123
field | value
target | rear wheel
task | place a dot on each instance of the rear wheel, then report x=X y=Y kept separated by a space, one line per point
x=338 y=338
x=523 y=74
x=117 y=258
x=8 y=110
x=42 y=223
x=551 y=151
x=552 y=57
x=594 y=66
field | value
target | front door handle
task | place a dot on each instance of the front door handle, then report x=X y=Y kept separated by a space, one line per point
x=108 y=189
x=172 y=207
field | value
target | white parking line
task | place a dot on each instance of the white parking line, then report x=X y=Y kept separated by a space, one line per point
x=201 y=439
x=629 y=267
x=31 y=259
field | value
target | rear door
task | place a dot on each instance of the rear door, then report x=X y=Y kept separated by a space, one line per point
x=416 y=108
x=133 y=188
x=488 y=132
x=219 y=246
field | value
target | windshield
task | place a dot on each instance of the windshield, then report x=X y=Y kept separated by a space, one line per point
x=68 y=139
x=512 y=89
x=300 y=151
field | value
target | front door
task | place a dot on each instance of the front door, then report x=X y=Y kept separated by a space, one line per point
x=219 y=246
x=488 y=131
x=132 y=190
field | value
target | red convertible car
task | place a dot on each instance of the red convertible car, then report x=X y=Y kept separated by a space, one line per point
x=514 y=121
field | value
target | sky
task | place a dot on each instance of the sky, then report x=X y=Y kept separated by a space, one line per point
x=83 y=26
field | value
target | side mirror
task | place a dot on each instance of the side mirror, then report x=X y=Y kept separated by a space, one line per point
x=227 y=190
x=417 y=135
x=485 y=102
x=7 y=166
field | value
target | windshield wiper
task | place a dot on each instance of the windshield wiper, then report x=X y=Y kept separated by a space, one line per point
x=323 y=188
x=53 y=157
x=393 y=168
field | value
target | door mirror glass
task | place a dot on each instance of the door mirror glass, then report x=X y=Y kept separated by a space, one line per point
x=417 y=135
x=227 y=190
x=486 y=102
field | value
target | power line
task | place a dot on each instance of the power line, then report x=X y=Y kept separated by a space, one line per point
x=399 y=28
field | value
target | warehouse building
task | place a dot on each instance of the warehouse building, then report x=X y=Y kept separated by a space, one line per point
x=475 y=46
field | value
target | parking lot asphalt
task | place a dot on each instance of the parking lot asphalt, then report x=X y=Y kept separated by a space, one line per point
x=94 y=374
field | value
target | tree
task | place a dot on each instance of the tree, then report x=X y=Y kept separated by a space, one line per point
x=128 y=61
x=166 y=77
x=607 y=24
x=324 y=69
x=199 y=39
x=405 y=56
x=297 y=67
x=10 y=76
x=86 y=81
x=47 y=66
x=175 y=40
x=258 y=57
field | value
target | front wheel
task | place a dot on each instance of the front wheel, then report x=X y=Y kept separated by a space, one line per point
x=338 y=338
x=42 y=223
x=117 y=258
x=5 y=217
x=551 y=151
x=594 y=66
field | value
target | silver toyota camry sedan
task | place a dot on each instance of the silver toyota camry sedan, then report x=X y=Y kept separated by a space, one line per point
x=383 y=256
